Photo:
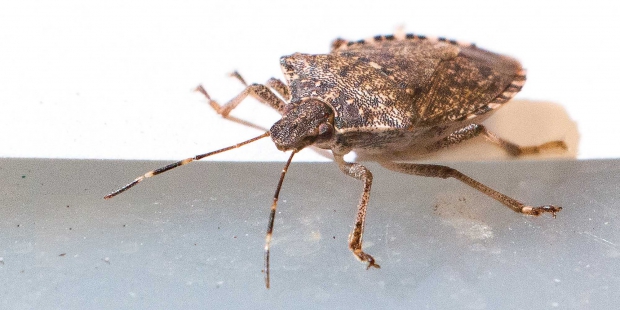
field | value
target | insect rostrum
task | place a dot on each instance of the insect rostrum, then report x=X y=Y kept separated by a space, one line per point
x=384 y=95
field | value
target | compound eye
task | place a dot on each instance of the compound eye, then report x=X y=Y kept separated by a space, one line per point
x=325 y=132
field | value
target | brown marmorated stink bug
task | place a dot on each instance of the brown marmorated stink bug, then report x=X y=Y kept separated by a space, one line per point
x=384 y=95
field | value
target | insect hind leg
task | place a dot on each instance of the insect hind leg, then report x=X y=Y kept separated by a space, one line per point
x=445 y=172
x=474 y=130
x=518 y=150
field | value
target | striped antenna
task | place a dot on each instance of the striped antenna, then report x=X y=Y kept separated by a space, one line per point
x=272 y=216
x=181 y=163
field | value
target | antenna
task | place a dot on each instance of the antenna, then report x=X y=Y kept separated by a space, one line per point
x=181 y=163
x=272 y=216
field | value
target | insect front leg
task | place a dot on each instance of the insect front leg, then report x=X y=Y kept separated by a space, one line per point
x=445 y=172
x=359 y=172
x=261 y=92
x=474 y=130
x=280 y=87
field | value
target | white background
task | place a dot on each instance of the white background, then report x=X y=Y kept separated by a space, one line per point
x=114 y=79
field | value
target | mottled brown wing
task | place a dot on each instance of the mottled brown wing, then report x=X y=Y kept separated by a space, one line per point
x=449 y=81
x=362 y=98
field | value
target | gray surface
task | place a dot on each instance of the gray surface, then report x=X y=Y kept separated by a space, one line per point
x=194 y=237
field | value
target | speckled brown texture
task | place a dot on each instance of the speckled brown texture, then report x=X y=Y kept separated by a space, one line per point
x=390 y=94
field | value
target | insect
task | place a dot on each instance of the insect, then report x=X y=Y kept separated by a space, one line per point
x=384 y=95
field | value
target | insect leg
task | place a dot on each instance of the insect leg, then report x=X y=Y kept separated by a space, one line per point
x=359 y=172
x=444 y=172
x=517 y=150
x=474 y=130
x=261 y=92
x=280 y=87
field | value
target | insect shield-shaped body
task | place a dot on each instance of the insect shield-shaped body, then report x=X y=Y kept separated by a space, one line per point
x=384 y=95
x=398 y=95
